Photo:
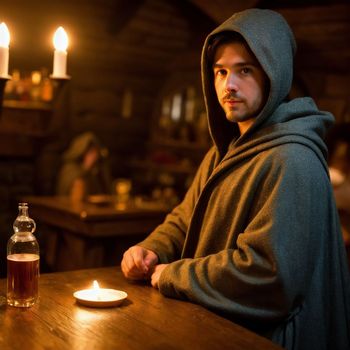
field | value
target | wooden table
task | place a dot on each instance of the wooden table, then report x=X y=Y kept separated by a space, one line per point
x=145 y=320
x=78 y=234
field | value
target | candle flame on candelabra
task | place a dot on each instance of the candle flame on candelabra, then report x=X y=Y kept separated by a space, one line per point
x=60 y=39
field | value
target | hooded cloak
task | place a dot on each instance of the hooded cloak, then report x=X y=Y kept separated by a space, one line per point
x=257 y=236
x=97 y=179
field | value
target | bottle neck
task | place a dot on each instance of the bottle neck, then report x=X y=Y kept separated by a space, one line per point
x=23 y=210
x=23 y=222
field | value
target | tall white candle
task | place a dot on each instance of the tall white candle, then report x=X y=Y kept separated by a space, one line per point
x=60 y=41
x=4 y=50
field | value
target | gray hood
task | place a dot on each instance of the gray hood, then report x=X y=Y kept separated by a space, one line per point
x=79 y=145
x=271 y=40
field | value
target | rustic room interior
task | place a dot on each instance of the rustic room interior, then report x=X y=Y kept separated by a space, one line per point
x=128 y=61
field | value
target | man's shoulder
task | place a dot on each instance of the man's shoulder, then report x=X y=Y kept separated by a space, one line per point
x=294 y=155
x=291 y=149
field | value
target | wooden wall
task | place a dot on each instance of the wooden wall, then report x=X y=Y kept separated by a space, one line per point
x=117 y=50
x=322 y=67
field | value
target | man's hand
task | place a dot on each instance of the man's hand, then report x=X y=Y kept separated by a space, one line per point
x=138 y=263
x=156 y=274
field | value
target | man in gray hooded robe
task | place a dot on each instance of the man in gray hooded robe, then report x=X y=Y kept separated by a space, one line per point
x=257 y=237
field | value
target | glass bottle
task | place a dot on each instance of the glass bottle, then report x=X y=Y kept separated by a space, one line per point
x=22 y=261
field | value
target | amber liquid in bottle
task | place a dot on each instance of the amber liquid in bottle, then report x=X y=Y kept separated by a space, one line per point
x=22 y=279
x=23 y=262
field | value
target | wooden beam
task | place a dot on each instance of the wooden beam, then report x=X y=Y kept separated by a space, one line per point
x=220 y=10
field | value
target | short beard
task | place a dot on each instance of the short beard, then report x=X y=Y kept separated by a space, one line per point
x=229 y=118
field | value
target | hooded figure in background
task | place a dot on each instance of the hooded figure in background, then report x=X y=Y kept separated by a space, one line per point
x=84 y=168
x=257 y=237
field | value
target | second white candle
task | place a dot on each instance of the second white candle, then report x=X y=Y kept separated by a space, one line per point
x=60 y=41
x=4 y=50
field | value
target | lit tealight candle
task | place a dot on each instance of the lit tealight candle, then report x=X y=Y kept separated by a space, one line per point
x=100 y=297
x=60 y=42
x=96 y=290
x=4 y=50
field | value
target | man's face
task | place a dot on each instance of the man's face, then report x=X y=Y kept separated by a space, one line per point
x=240 y=83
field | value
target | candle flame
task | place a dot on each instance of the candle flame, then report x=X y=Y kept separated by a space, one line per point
x=4 y=35
x=97 y=290
x=60 y=39
x=96 y=285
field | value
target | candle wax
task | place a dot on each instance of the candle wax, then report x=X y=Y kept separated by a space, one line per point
x=4 y=61
x=60 y=64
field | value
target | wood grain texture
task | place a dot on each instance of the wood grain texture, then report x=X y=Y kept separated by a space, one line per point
x=146 y=320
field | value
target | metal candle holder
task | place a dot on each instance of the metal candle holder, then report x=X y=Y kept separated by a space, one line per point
x=3 y=81
x=58 y=86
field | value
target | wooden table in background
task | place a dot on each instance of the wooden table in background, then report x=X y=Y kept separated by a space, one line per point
x=145 y=320
x=79 y=235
